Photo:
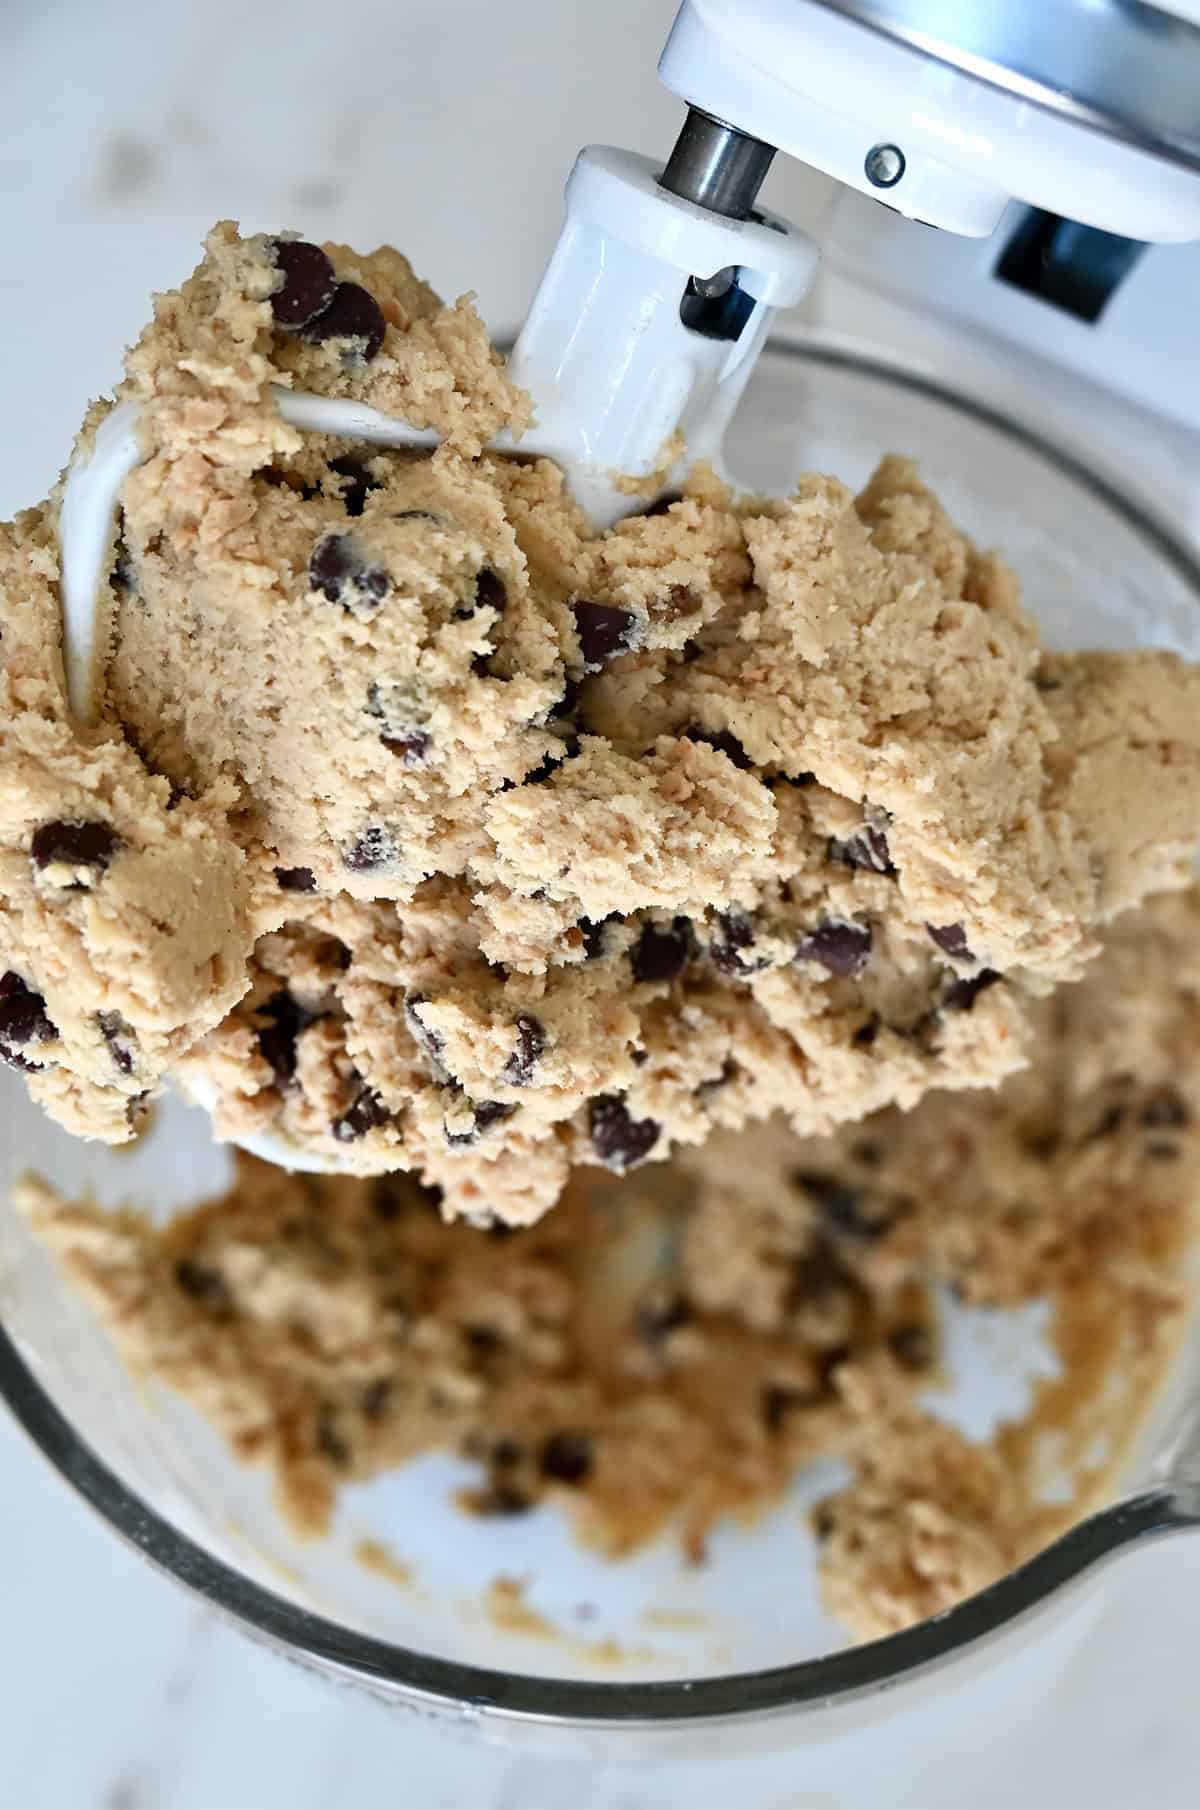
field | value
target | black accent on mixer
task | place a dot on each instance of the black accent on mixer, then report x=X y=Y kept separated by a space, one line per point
x=1075 y=268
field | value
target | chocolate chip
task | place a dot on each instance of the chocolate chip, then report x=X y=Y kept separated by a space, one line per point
x=484 y=1341
x=912 y=1346
x=358 y=486
x=655 y=1318
x=286 y=1018
x=113 y=1028
x=963 y=994
x=847 y=1209
x=339 y=572
x=74 y=844
x=723 y=741
x=531 y=1041
x=412 y=749
x=868 y=849
x=779 y=1402
x=428 y=1041
x=603 y=630
x=1164 y=1110
x=296 y=879
x=952 y=939
x=23 y=1019
x=308 y=286
x=567 y=1457
x=619 y=1141
x=375 y=1398
x=202 y=1282
x=866 y=1033
x=486 y=1113
x=332 y=565
x=731 y=943
x=367 y=1113
x=594 y=934
x=660 y=954
x=844 y=949
x=351 y=314
x=1042 y=682
x=373 y=849
x=490 y=589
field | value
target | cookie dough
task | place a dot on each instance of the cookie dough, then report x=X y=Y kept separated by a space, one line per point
x=673 y=1346
x=429 y=829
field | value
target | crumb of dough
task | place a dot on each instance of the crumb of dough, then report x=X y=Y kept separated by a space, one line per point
x=676 y=1345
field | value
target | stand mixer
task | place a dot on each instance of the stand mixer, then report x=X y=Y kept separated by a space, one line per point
x=1057 y=145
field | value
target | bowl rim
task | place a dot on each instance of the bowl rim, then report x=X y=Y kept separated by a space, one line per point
x=852 y=1673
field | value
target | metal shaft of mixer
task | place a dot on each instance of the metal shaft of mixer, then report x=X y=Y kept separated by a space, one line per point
x=716 y=166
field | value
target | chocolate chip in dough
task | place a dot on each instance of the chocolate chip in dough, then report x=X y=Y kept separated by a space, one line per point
x=296 y=879
x=352 y=314
x=594 y=934
x=604 y=630
x=731 y=946
x=619 y=1140
x=116 y=1033
x=531 y=1041
x=486 y=1113
x=661 y=952
x=286 y=1018
x=963 y=994
x=373 y=849
x=868 y=849
x=952 y=940
x=340 y=573
x=412 y=748
x=844 y=949
x=23 y=1016
x=567 y=1457
x=74 y=844
x=367 y=1113
x=309 y=283
x=358 y=485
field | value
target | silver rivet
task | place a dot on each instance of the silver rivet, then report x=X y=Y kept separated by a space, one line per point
x=884 y=166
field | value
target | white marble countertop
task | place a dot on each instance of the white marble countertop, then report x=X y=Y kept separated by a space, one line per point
x=447 y=125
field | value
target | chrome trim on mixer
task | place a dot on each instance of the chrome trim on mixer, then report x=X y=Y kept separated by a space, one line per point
x=1119 y=67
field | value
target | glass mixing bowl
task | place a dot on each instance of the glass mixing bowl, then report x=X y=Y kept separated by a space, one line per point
x=649 y=1643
